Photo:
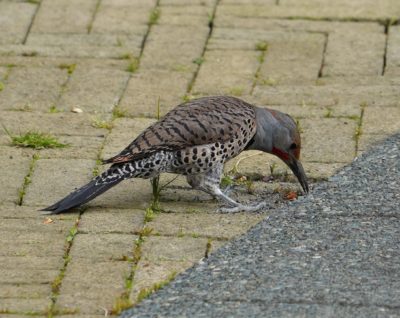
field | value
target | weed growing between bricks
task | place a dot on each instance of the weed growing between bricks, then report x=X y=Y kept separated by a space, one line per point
x=56 y=284
x=262 y=47
x=27 y=179
x=123 y=301
x=358 y=132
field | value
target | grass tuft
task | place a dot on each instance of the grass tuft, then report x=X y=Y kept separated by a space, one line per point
x=262 y=46
x=69 y=67
x=35 y=140
x=100 y=123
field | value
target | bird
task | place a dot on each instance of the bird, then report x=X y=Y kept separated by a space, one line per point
x=195 y=139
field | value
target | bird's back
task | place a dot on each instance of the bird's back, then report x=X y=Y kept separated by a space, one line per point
x=198 y=122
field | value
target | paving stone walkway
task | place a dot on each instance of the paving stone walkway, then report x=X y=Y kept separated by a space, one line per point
x=333 y=65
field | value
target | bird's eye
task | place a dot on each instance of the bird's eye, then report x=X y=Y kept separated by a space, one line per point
x=293 y=146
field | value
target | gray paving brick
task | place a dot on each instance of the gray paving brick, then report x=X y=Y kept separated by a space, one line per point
x=15 y=20
x=393 y=52
x=31 y=262
x=381 y=121
x=66 y=175
x=3 y=72
x=339 y=142
x=349 y=54
x=292 y=58
x=223 y=73
x=193 y=15
x=32 y=88
x=165 y=248
x=188 y=2
x=129 y=194
x=77 y=51
x=313 y=9
x=78 y=147
x=82 y=291
x=367 y=141
x=102 y=247
x=51 y=61
x=12 y=276
x=165 y=41
x=32 y=291
x=64 y=16
x=121 y=19
x=35 y=244
x=149 y=273
x=94 y=90
x=24 y=305
x=13 y=170
x=12 y=211
x=342 y=100
x=90 y=45
x=103 y=220
x=142 y=93
x=129 y=3
x=211 y=224
x=78 y=124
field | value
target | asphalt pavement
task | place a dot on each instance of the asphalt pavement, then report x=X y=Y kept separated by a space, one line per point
x=334 y=253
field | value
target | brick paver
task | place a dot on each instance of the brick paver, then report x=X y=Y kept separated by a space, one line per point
x=333 y=66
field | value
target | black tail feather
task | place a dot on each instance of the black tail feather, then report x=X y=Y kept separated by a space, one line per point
x=81 y=196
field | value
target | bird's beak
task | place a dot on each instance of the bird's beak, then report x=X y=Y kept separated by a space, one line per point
x=297 y=168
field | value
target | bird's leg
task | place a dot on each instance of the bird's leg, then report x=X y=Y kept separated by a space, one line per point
x=209 y=183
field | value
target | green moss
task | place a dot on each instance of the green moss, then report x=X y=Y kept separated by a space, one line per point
x=198 y=61
x=69 y=67
x=53 y=109
x=262 y=46
x=146 y=292
x=226 y=181
x=236 y=91
x=103 y=124
x=328 y=113
x=1 y=86
x=120 y=304
x=154 y=16
x=27 y=179
x=133 y=65
x=149 y=215
x=118 y=112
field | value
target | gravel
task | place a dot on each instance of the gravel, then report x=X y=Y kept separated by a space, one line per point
x=334 y=253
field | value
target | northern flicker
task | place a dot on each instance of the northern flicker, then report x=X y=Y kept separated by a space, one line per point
x=195 y=139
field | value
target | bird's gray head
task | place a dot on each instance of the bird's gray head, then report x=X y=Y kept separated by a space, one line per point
x=277 y=133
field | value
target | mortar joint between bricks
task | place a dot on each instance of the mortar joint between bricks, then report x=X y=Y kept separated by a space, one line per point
x=199 y=60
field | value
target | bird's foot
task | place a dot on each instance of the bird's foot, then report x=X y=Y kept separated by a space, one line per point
x=228 y=189
x=243 y=208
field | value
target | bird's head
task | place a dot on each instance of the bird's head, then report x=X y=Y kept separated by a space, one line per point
x=278 y=134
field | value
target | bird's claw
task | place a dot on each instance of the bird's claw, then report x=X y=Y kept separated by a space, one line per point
x=243 y=208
